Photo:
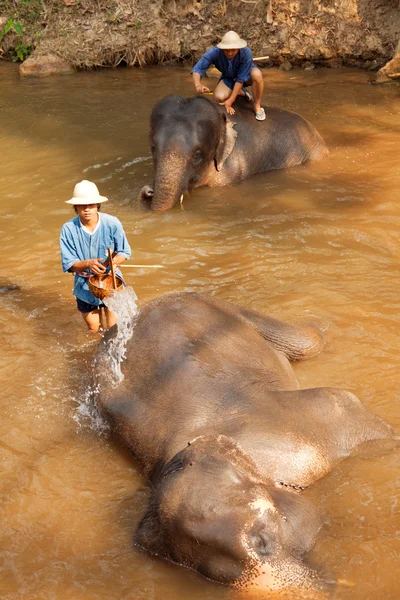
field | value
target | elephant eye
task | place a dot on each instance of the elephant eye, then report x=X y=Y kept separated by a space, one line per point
x=197 y=156
x=173 y=466
x=262 y=544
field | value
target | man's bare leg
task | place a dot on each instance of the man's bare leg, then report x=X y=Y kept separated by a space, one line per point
x=92 y=320
x=257 y=83
x=222 y=92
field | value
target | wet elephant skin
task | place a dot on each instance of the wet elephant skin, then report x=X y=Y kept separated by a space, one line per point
x=194 y=143
x=211 y=408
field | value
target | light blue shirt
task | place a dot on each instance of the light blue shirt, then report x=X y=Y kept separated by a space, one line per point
x=77 y=244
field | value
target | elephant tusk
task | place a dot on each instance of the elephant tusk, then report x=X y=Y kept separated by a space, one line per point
x=345 y=582
x=181 y=202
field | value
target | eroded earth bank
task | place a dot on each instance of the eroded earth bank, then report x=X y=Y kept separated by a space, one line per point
x=67 y=34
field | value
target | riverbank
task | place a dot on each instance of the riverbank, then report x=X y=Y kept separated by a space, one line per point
x=98 y=33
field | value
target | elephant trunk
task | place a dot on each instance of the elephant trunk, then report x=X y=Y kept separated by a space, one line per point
x=144 y=198
x=170 y=181
x=289 y=574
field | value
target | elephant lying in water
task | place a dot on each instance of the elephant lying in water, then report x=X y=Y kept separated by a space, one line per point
x=195 y=143
x=211 y=408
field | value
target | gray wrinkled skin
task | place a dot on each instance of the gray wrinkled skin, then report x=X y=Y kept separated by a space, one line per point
x=211 y=408
x=194 y=143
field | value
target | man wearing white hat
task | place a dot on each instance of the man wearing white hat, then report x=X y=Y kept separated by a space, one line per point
x=234 y=59
x=83 y=243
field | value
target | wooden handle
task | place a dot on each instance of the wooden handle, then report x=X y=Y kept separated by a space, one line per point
x=260 y=57
x=141 y=266
x=112 y=268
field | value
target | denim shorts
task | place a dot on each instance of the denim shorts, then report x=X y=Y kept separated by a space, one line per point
x=84 y=307
x=231 y=82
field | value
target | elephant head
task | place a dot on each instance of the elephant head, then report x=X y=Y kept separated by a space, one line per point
x=212 y=511
x=189 y=137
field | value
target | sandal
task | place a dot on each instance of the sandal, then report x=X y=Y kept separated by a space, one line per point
x=260 y=116
x=247 y=95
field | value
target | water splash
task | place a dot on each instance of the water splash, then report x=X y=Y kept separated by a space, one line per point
x=88 y=414
x=123 y=304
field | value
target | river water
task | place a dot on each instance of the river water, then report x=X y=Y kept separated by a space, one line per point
x=319 y=240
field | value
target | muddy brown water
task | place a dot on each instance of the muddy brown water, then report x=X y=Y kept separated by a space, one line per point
x=317 y=241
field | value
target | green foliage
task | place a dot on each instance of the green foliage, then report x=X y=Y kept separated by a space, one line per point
x=11 y=24
x=21 y=50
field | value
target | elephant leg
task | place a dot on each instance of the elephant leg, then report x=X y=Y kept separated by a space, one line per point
x=336 y=420
x=296 y=342
x=319 y=427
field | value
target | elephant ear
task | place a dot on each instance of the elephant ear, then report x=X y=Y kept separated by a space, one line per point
x=226 y=143
x=301 y=521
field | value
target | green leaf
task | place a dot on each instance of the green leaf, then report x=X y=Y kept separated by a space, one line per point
x=18 y=28
x=8 y=26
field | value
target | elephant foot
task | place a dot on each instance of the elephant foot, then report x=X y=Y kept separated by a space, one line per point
x=144 y=198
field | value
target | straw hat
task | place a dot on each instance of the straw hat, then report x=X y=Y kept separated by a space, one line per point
x=231 y=41
x=86 y=192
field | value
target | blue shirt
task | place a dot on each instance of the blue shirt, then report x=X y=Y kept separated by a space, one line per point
x=77 y=244
x=238 y=68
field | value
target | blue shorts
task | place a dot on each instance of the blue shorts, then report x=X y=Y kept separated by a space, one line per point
x=84 y=307
x=231 y=82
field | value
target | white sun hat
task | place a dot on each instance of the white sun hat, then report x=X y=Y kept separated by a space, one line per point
x=232 y=41
x=86 y=192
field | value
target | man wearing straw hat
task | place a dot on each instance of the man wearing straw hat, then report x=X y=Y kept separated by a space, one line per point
x=235 y=61
x=83 y=242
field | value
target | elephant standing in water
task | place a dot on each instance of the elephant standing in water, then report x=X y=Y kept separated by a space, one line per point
x=194 y=143
x=211 y=408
